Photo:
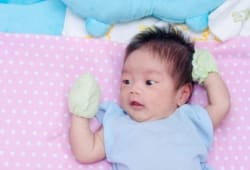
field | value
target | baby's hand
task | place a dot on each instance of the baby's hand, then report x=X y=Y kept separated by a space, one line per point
x=203 y=64
x=84 y=97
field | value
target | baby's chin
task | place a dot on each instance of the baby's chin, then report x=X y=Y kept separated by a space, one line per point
x=135 y=116
x=142 y=115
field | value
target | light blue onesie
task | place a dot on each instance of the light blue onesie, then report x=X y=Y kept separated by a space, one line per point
x=179 y=142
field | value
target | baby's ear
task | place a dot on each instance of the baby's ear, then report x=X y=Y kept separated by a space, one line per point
x=184 y=94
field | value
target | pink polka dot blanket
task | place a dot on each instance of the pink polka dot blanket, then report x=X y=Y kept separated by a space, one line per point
x=36 y=73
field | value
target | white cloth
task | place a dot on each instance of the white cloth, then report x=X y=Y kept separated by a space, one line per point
x=231 y=19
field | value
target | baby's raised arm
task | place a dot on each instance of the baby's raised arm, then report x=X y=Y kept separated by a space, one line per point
x=84 y=97
x=205 y=72
x=218 y=98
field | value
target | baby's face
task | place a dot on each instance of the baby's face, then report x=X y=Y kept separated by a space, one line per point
x=147 y=89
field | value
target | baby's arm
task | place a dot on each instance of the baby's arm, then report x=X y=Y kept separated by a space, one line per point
x=83 y=104
x=205 y=72
x=87 y=146
x=218 y=98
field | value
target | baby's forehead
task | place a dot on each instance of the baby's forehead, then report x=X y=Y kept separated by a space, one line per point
x=146 y=71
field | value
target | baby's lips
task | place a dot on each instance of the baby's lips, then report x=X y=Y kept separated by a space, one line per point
x=135 y=103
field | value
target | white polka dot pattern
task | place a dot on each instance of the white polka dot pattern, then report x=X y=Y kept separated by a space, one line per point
x=36 y=73
x=231 y=147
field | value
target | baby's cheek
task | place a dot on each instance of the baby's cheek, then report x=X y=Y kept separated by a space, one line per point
x=155 y=98
x=122 y=100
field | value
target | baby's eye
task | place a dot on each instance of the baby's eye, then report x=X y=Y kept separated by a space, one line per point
x=126 y=82
x=150 y=82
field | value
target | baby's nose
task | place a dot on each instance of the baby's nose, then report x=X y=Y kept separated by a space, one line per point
x=135 y=89
x=133 y=92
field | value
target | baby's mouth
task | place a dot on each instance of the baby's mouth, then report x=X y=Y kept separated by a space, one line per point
x=136 y=104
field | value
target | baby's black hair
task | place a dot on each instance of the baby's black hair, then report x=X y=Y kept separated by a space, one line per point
x=171 y=46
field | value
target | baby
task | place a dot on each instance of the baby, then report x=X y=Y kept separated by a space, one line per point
x=153 y=127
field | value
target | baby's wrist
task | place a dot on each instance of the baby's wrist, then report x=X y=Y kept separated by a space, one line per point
x=203 y=64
